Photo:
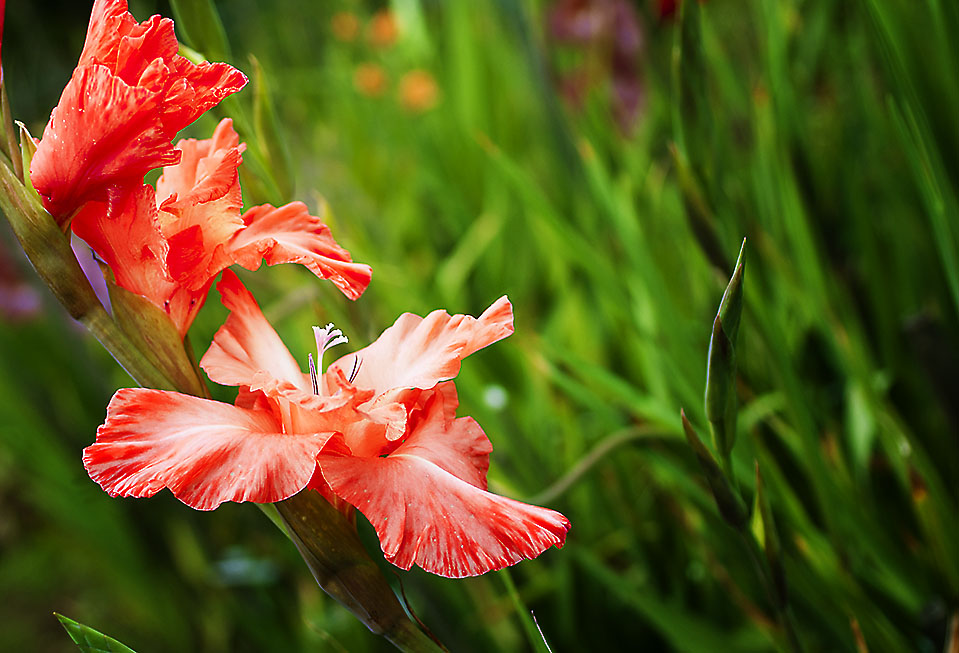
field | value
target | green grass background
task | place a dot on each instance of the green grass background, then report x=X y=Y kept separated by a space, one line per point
x=825 y=133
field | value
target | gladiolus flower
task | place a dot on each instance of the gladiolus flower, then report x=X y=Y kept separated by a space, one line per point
x=378 y=430
x=170 y=243
x=128 y=97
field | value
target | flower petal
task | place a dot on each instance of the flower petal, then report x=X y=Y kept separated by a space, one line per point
x=290 y=234
x=129 y=96
x=205 y=451
x=103 y=133
x=115 y=39
x=247 y=351
x=420 y=352
x=206 y=171
x=145 y=54
x=425 y=514
x=456 y=445
x=126 y=234
x=200 y=205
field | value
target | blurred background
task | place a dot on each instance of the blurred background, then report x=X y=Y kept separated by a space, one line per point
x=599 y=161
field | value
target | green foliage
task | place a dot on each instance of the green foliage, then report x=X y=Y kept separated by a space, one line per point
x=823 y=132
x=89 y=640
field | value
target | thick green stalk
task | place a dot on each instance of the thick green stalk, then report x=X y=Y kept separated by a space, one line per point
x=332 y=549
x=48 y=249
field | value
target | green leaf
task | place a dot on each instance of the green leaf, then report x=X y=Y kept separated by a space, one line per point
x=199 y=25
x=731 y=305
x=730 y=505
x=155 y=335
x=90 y=640
x=269 y=140
x=8 y=144
x=764 y=528
x=28 y=147
x=721 y=363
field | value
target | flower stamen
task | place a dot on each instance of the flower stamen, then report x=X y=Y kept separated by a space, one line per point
x=357 y=364
x=326 y=338
x=316 y=386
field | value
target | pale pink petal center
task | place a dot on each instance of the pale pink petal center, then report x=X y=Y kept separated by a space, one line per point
x=420 y=352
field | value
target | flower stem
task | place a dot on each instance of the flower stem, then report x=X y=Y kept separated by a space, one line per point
x=338 y=561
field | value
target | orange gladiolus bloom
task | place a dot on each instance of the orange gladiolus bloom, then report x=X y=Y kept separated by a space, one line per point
x=170 y=243
x=378 y=431
x=128 y=97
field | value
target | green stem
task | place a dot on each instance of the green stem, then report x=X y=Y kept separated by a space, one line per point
x=779 y=601
x=606 y=446
x=338 y=561
x=9 y=140
x=726 y=464
x=533 y=634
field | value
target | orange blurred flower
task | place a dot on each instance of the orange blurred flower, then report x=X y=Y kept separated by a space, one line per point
x=345 y=26
x=418 y=91
x=369 y=79
x=383 y=30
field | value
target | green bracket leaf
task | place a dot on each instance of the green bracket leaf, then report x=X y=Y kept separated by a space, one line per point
x=730 y=505
x=48 y=248
x=90 y=640
x=28 y=147
x=154 y=334
x=764 y=529
x=721 y=365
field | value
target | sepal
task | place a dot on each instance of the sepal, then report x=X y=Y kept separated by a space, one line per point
x=153 y=332
x=90 y=640
x=28 y=147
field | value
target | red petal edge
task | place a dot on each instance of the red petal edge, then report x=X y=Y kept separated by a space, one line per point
x=289 y=234
x=428 y=517
x=204 y=451
x=428 y=504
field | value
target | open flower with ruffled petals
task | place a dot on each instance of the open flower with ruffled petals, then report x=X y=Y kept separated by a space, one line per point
x=422 y=485
x=425 y=494
x=170 y=243
x=128 y=97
